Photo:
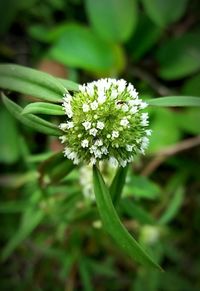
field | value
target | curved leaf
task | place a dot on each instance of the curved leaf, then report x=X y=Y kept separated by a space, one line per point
x=114 y=226
x=43 y=108
x=31 y=120
x=33 y=82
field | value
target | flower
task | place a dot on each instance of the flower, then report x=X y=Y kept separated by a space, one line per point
x=105 y=121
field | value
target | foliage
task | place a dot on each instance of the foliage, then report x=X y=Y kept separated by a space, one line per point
x=52 y=236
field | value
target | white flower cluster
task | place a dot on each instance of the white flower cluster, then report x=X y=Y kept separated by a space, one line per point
x=105 y=121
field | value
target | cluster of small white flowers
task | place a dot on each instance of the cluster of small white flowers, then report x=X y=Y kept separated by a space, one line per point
x=104 y=122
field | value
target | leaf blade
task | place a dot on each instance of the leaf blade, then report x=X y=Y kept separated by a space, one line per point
x=114 y=226
x=31 y=120
x=43 y=108
x=117 y=184
x=175 y=101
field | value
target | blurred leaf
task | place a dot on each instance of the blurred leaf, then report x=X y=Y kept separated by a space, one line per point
x=39 y=32
x=173 y=206
x=144 y=38
x=32 y=82
x=165 y=130
x=113 y=20
x=11 y=8
x=179 y=57
x=13 y=206
x=141 y=187
x=117 y=185
x=9 y=142
x=30 y=220
x=31 y=120
x=132 y=209
x=114 y=226
x=86 y=275
x=192 y=86
x=17 y=180
x=43 y=108
x=55 y=168
x=175 y=101
x=189 y=120
x=79 y=47
x=165 y=12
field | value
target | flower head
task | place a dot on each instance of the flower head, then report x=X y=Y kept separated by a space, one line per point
x=105 y=121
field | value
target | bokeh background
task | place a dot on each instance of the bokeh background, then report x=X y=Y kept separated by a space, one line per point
x=51 y=236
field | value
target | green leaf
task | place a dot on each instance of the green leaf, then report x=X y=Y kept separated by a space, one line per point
x=173 y=207
x=113 y=224
x=55 y=168
x=9 y=142
x=175 y=101
x=192 y=86
x=118 y=184
x=113 y=20
x=31 y=120
x=43 y=108
x=164 y=12
x=165 y=130
x=135 y=211
x=79 y=47
x=30 y=220
x=189 y=120
x=33 y=83
x=179 y=57
x=141 y=187
x=144 y=38
x=13 y=206
x=85 y=274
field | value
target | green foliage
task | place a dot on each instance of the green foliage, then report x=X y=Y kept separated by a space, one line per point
x=9 y=143
x=179 y=57
x=52 y=236
x=43 y=108
x=165 y=12
x=79 y=47
x=113 y=225
x=30 y=120
x=113 y=20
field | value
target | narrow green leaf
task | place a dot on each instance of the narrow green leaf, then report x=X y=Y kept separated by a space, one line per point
x=28 y=88
x=114 y=226
x=175 y=101
x=173 y=206
x=9 y=141
x=85 y=275
x=55 y=168
x=33 y=82
x=43 y=108
x=33 y=218
x=118 y=184
x=68 y=84
x=31 y=120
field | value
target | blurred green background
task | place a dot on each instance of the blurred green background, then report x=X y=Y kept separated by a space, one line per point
x=51 y=237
